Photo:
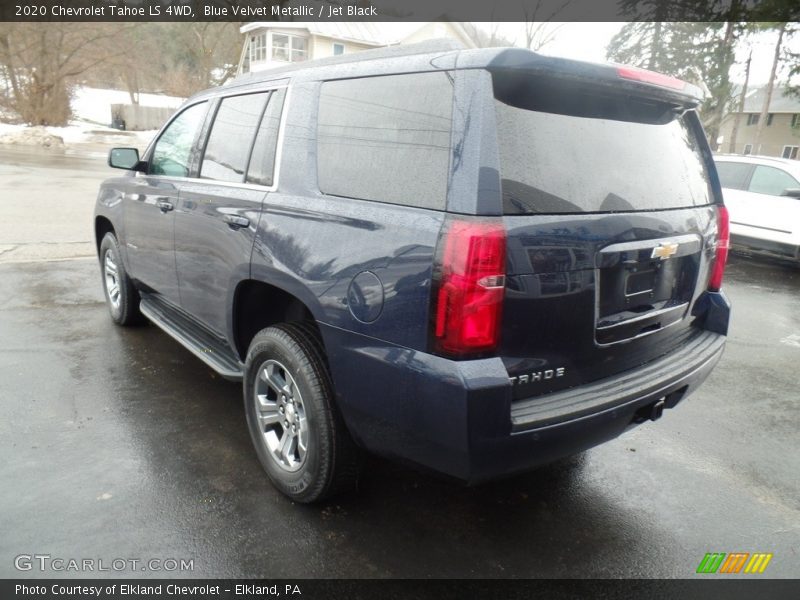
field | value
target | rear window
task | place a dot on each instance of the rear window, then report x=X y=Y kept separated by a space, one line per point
x=386 y=138
x=556 y=163
x=733 y=175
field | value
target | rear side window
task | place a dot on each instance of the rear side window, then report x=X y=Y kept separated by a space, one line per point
x=772 y=181
x=556 y=163
x=231 y=137
x=386 y=138
x=733 y=175
x=262 y=161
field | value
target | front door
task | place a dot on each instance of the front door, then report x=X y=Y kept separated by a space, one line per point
x=150 y=203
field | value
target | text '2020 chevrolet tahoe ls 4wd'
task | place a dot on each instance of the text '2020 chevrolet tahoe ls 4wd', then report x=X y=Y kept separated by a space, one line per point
x=476 y=261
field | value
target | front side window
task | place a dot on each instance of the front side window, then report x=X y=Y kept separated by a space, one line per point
x=288 y=48
x=173 y=151
x=386 y=138
x=338 y=49
x=231 y=137
x=752 y=119
x=733 y=175
x=772 y=181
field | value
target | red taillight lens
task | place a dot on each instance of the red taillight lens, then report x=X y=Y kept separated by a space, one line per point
x=723 y=244
x=645 y=76
x=469 y=299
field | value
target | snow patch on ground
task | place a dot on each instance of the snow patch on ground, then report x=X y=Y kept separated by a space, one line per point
x=94 y=104
x=91 y=109
x=77 y=132
x=32 y=136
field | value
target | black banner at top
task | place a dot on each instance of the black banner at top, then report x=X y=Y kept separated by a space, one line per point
x=398 y=10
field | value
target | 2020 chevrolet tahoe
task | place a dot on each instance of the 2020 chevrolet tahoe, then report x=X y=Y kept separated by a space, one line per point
x=476 y=261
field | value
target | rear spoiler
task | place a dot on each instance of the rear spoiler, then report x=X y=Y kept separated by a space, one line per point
x=510 y=63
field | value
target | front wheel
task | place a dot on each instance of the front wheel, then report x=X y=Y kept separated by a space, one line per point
x=297 y=432
x=121 y=295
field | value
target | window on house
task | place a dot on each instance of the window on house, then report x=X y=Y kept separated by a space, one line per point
x=258 y=47
x=231 y=137
x=338 y=49
x=288 y=48
x=752 y=119
x=748 y=149
x=769 y=119
x=790 y=152
x=796 y=121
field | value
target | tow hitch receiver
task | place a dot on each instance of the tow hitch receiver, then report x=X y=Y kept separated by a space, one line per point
x=650 y=412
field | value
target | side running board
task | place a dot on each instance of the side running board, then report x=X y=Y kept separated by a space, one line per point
x=204 y=345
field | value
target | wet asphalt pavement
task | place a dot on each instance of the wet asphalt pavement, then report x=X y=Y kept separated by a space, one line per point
x=119 y=444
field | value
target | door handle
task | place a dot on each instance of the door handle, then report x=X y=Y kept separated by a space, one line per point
x=237 y=222
x=164 y=206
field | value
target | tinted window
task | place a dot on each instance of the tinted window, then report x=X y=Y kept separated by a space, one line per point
x=768 y=180
x=231 y=137
x=555 y=163
x=386 y=138
x=262 y=162
x=173 y=150
x=733 y=175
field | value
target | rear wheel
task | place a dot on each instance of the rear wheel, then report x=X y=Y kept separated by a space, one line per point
x=121 y=295
x=297 y=432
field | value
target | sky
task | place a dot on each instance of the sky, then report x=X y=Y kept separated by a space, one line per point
x=588 y=41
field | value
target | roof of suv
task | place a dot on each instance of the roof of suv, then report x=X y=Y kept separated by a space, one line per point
x=449 y=54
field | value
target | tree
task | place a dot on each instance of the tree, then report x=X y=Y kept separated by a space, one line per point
x=764 y=116
x=702 y=52
x=40 y=62
x=486 y=39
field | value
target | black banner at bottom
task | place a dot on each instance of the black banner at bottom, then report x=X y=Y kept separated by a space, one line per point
x=357 y=589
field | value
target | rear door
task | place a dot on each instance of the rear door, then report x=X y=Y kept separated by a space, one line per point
x=611 y=225
x=218 y=215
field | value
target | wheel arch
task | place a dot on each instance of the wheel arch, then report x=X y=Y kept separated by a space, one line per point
x=257 y=304
x=102 y=226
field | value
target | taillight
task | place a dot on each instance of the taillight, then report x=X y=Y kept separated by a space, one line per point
x=645 y=76
x=723 y=244
x=471 y=282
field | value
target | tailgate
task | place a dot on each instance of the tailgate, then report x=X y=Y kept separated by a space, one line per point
x=611 y=222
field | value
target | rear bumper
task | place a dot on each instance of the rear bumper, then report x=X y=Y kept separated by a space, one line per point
x=457 y=418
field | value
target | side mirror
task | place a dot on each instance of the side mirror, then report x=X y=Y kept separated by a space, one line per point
x=791 y=192
x=123 y=158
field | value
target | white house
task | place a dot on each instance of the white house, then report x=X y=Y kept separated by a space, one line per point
x=271 y=44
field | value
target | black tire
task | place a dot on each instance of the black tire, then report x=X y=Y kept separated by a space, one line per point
x=123 y=298
x=330 y=463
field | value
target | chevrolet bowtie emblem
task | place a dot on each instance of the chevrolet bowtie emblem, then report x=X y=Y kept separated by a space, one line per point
x=664 y=251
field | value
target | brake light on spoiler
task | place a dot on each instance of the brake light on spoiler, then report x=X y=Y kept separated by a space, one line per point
x=645 y=76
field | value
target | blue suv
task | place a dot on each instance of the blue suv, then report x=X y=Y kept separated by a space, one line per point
x=474 y=261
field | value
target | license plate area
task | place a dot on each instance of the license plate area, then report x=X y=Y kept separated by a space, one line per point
x=644 y=286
